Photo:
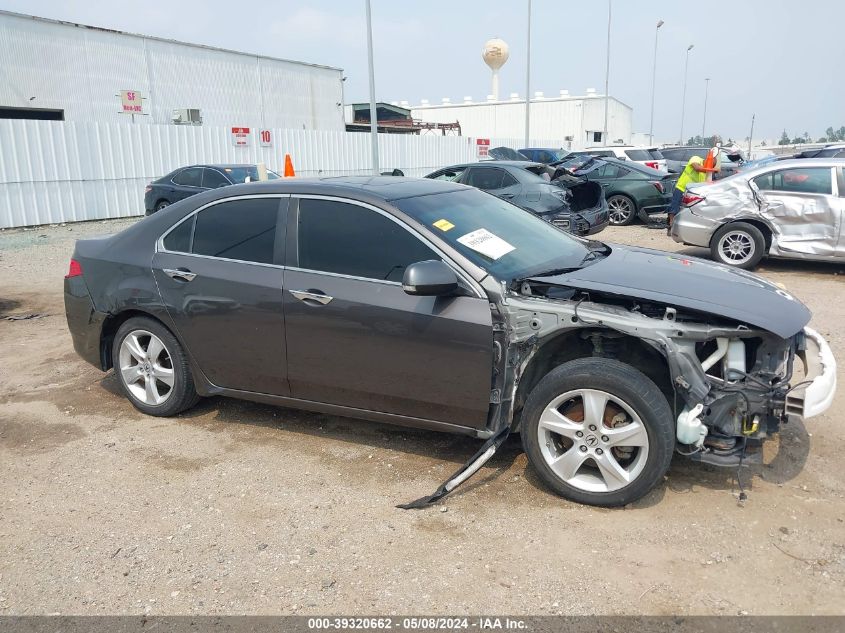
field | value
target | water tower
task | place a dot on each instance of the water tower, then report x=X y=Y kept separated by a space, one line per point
x=495 y=54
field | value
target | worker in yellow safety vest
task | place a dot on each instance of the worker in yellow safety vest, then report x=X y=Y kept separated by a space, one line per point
x=695 y=171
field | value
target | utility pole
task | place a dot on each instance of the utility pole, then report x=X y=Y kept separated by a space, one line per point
x=373 y=115
x=684 y=100
x=750 y=136
x=528 y=82
x=604 y=137
x=706 y=90
x=653 y=83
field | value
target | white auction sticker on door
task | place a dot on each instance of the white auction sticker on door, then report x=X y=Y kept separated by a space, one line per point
x=484 y=242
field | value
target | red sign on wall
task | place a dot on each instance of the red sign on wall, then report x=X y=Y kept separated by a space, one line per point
x=483 y=147
x=240 y=136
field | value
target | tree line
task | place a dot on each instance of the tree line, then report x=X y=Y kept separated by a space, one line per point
x=831 y=136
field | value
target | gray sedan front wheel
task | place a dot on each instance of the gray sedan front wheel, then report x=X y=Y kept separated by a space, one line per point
x=598 y=431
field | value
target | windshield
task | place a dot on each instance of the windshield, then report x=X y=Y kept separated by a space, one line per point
x=239 y=174
x=506 y=241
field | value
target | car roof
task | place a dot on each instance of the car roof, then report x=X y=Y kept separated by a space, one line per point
x=357 y=187
x=778 y=165
x=522 y=164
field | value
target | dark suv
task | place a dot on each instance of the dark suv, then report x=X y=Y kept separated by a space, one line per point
x=188 y=181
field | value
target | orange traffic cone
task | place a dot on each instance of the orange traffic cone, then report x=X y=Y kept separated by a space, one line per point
x=289 y=173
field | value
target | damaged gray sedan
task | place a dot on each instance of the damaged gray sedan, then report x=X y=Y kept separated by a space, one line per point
x=793 y=209
x=435 y=305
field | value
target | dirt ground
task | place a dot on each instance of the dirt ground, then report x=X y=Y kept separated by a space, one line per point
x=239 y=508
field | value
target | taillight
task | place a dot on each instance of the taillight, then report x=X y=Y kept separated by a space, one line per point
x=691 y=199
x=75 y=269
x=651 y=163
x=659 y=186
x=148 y=188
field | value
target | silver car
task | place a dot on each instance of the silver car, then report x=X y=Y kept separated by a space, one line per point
x=792 y=208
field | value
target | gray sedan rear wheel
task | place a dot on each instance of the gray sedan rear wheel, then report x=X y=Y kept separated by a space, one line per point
x=738 y=244
x=152 y=368
x=622 y=210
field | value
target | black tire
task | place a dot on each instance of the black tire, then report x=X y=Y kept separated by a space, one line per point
x=743 y=234
x=161 y=204
x=622 y=199
x=183 y=394
x=622 y=382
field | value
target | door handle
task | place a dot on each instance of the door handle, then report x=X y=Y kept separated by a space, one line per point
x=179 y=274
x=307 y=295
x=507 y=195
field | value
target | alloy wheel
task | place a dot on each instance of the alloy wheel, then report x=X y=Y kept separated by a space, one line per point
x=146 y=367
x=736 y=247
x=620 y=209
x=593 y=440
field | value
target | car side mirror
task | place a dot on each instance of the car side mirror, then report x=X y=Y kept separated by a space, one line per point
x=431 y=278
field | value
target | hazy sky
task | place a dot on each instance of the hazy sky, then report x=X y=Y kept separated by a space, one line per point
x=779 y=59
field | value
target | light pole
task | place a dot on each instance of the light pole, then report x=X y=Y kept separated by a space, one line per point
x=607 y=75
x=373 y=116
x=653 y=83
x=706 y=90
x=528 y=81
x=684 y=100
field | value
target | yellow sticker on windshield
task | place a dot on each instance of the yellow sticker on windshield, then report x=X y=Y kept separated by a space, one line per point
x=444 y=225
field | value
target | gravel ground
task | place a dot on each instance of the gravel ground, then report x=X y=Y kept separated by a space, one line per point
x=238 y=508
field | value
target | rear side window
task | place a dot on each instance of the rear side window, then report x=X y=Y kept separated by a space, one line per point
x=337 y=237
x=486 y=178
x=802 y=180
x=239 y=229
x=179 y=239
x=638 y=154
x=449 y=174
x=190 y=177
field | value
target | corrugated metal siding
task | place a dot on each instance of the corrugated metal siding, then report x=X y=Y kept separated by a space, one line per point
x=54 y=172
x=81 y=70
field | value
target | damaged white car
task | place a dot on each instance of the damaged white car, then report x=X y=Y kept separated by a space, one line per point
x=793 y=209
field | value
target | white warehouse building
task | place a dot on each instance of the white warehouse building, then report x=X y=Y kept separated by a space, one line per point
x=70 y=72
x=576 y=120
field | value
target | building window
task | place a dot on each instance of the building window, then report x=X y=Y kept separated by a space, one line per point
x=594 y=137
x=39 y=114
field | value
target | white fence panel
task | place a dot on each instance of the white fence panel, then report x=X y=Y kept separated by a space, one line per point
x=52 y=171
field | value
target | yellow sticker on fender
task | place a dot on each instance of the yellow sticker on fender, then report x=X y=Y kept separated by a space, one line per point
x=444 y=225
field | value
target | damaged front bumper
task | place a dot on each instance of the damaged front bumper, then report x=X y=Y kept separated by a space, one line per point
x=815 y=394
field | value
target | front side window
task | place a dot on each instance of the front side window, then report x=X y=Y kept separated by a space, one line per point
x=801 y=180
x=189 y=177
x=238 y=229
x=212 y=179
x=347 y=239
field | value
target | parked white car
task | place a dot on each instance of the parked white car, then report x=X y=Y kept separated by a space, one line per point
x=648 y=156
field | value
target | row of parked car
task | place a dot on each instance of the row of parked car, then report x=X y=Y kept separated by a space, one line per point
x=790 y=206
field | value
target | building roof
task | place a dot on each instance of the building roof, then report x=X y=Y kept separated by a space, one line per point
x=162 y=39
x=544 y=99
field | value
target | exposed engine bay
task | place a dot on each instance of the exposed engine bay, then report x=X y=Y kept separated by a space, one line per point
x=730 y=385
